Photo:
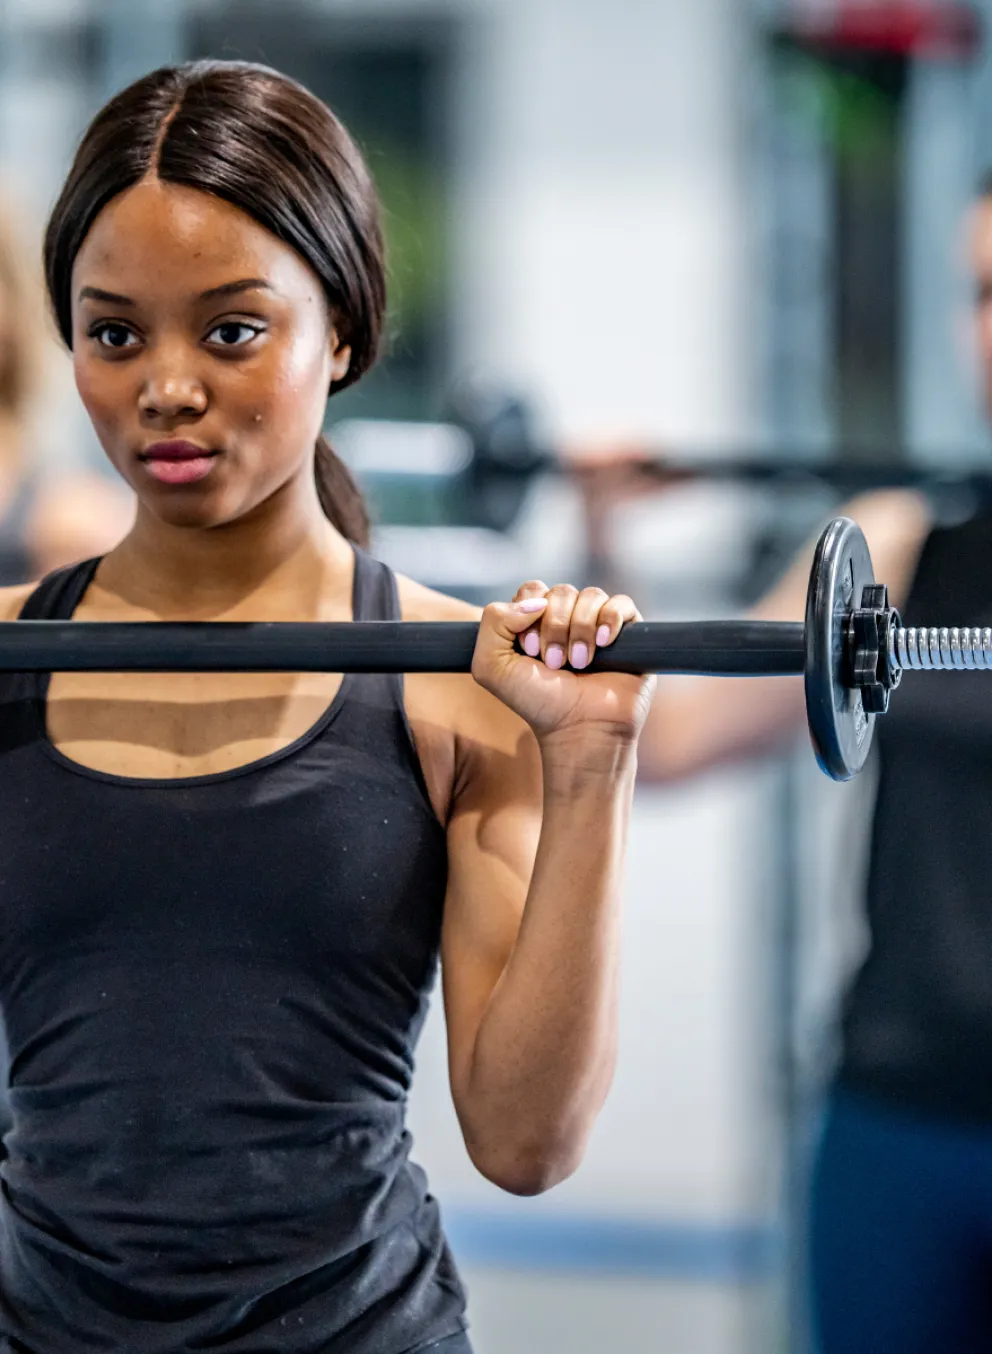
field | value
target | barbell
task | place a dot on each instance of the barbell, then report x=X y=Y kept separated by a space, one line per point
x=502 y=456
x=852 y=649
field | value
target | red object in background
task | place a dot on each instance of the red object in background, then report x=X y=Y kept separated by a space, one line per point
x=919 y=29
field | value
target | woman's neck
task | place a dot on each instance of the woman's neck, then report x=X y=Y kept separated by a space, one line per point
x=277 y=560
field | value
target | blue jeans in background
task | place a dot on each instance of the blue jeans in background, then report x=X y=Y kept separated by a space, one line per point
x=901 y=1232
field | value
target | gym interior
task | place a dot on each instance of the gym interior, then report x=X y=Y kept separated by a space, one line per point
x=727 y=239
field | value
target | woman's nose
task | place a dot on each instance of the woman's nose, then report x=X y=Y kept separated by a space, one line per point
x=172 y=389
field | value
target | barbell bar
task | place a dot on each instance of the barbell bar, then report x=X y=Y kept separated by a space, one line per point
x=847 y=477
x=725 y=648
x=852 y=649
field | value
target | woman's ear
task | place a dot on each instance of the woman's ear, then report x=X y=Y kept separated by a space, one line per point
x=340 y=358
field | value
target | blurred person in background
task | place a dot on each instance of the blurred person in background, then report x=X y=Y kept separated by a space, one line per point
x=46 y=519
x=901 y=1210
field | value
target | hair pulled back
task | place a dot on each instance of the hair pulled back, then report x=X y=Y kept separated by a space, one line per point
x=264 y=143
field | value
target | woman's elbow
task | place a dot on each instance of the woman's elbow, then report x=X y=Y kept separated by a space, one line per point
x=528 y=1177
x=528 y=1169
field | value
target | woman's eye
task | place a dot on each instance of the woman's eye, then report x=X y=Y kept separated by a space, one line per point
x=232 y=334
x=114 y=336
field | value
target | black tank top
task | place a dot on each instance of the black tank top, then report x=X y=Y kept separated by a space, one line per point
x=212 y=988
x=918 y=1023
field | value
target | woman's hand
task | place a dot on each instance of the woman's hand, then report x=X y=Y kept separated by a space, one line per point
x=560 y=629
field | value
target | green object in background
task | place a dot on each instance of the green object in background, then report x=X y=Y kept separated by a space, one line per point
x=851 y=111
x=414 y=226
x=388 y=82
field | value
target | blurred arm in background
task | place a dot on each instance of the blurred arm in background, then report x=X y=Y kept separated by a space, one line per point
x=47 y=519
x=700 y=722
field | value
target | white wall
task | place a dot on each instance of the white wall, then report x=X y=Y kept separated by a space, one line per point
x=603 y=262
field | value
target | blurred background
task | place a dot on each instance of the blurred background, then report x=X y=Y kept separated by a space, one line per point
x=717 y=232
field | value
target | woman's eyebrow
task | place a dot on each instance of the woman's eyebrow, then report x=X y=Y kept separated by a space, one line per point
x=98 y=294
x=225 y=289
x=234 y=288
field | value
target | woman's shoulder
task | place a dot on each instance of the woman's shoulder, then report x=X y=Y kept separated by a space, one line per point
x=456 y=703
x=13 y=599
x=420 y=603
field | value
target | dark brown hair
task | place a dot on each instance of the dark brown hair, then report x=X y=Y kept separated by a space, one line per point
x=264 y=143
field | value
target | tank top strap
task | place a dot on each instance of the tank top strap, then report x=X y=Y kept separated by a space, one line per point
x=58 y=594
x=54 y=598
x=374 y=595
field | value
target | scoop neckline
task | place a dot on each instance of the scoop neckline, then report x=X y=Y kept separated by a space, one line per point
x=55 y=754
x=323 y=721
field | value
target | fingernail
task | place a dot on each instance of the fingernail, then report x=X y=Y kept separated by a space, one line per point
x=532 y=604
x=602 y=636
x=532 y=644
x=555 y=657
x=580 y=655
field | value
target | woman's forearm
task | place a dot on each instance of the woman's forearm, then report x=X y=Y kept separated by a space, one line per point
x=545 y=1050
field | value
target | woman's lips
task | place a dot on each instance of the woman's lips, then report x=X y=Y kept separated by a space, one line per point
x=177 y=462
x=179 y=472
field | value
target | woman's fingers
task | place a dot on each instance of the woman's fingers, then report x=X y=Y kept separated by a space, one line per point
x=533 y=588
x=556 y=624
x=615 y=613
x=530 y=642
x=584 y=624
x=573 y=624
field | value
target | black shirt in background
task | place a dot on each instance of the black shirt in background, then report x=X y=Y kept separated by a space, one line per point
x=918 y=1020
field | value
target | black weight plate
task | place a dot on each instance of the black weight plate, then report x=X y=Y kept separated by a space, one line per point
x=839 y=725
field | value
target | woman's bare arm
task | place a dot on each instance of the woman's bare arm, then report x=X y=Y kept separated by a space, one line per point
x=536 y=827
x=530 y=947
x=699 y=722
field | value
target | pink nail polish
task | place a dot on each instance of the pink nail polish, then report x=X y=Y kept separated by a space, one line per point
x=555 y=657
x=531 y=604
x=532 y=644
x=580 y=655
x=603 y=635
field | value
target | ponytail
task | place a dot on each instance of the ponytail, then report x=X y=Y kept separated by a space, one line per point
x=339 y=495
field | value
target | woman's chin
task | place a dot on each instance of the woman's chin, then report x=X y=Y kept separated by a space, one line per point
x=189 y=512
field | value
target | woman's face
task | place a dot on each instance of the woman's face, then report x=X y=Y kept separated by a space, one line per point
x=203 y=351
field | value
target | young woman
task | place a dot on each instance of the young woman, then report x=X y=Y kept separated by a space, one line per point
x=223 y=895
